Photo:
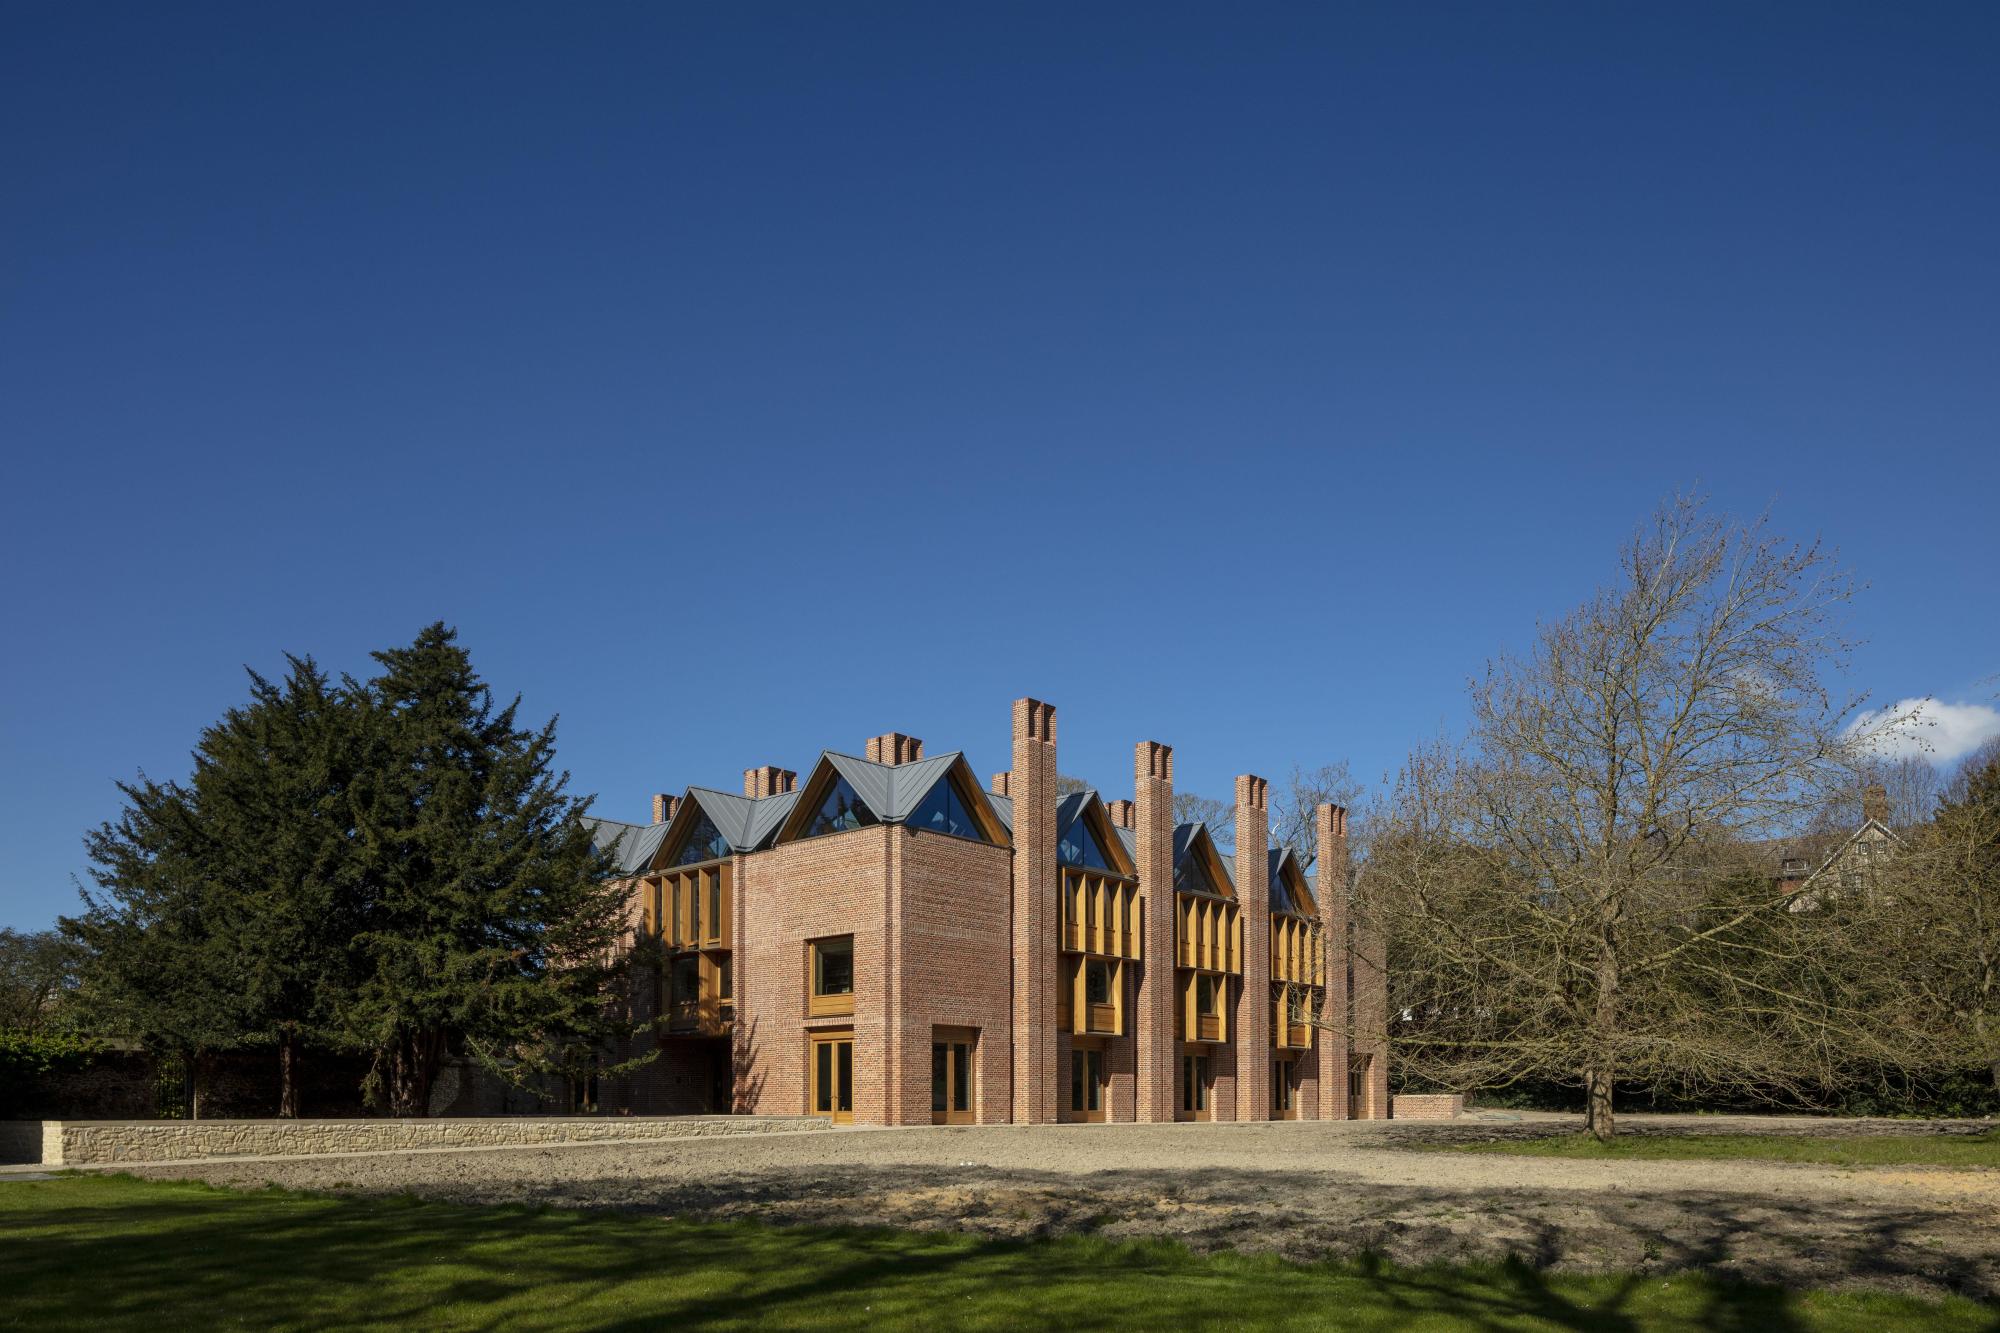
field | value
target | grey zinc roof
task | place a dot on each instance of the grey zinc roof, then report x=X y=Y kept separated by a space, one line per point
x=894 y=791
x=769 y=813
x=1003 y=806
x=635 y=843
x=746 y=823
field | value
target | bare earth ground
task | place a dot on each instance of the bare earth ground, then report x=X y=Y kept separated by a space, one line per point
x=1304 y=1189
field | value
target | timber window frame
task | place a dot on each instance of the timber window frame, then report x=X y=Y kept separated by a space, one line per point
x=830 y=976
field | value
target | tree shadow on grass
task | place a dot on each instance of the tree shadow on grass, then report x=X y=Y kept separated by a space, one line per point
x=108 y=1253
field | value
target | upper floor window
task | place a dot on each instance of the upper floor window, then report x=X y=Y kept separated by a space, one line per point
x=1204 y=996
x=1281 y=894
x=833 y=966
x=840 y=811
x=1096 y=982
x=945 y=811
x=831 y=963
x=685 y=980
x=704 y=842
x=1078 y=846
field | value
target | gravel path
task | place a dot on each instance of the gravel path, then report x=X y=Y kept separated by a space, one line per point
x=1304 y=1189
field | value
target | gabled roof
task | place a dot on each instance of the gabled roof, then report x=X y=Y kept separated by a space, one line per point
x=632 y=845
x=1281 y=893
x=1073 y=807
x=1195 y=839
x=1888 y=835
x=893 y=792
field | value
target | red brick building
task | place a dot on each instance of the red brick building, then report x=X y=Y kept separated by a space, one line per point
x=887 y=942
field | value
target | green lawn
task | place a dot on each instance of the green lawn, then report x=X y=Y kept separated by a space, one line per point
x=1960 y=1150
x=116 y=1253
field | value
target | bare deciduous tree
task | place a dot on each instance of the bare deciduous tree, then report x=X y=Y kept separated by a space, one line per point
x=1571 y=893
x=1936 y=914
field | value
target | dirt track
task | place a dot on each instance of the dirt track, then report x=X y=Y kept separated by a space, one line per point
x=1306 y=1190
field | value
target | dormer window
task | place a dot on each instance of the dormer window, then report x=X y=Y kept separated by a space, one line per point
x=840 y=812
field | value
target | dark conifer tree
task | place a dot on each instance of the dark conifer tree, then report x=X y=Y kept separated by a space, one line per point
x=228 y=902
x=490 y=924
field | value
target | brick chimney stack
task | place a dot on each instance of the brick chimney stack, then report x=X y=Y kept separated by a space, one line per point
x=1002 y=783
x=770 y=780
x=1369 y=1011
x=1121 y=813
x=1330 y=887
x=663 y=807
x=1037 y=971
x=894 y=748
x=1875 y=802
x=1153 y=821
x=1252 y=1030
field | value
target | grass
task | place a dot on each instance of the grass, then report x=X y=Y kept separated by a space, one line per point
x=112 y=1253
x=1959 y=1150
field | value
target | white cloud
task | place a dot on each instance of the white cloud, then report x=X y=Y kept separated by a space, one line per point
x=1927 y=728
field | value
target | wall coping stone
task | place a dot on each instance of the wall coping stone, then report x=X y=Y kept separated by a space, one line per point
x=95 y=1142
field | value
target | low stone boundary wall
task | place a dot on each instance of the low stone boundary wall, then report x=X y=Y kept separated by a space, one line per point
x=1427 y=1106
x=96 y=1142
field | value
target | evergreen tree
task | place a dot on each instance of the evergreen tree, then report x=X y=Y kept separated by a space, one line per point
x=228 y=903
x=490 y=924
x=272 y=784
x=153 y=969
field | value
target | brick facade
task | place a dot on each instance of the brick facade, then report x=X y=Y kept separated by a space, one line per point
x=962 y=967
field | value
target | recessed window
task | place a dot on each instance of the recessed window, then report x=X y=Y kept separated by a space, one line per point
x=841 y=811
x=832 y=964
x=945 y=811
x=1204 y=995
x=686 y=987
x=1097 y=983
x=704 y=842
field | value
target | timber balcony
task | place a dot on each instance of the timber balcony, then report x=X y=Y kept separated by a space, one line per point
x=1208 y=933
x=1102 y=916
x=700 y=1017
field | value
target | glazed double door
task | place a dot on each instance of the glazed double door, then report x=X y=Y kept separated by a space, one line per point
x=832 y=1065
x=1089 y=1090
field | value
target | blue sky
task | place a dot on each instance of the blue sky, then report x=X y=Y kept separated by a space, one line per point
x=746 y=380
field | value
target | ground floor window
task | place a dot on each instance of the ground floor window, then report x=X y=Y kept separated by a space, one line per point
x=1357 y=1087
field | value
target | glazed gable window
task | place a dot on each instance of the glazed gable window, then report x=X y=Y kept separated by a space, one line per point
x=1079 y=847
x=944 y=811
x=841 y=811
x=704 y=843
